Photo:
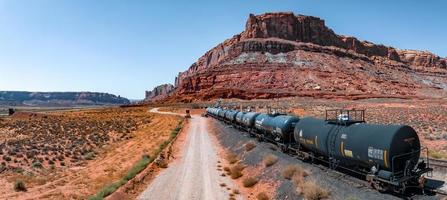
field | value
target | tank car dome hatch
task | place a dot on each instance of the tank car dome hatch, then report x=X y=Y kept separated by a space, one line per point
x=346 y=117
x=343 y=117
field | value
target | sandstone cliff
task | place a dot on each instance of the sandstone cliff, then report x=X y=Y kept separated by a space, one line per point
x=15 y=98
x=159 y=92
x=281 y=54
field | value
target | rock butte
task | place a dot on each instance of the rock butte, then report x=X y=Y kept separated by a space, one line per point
x=159 y=92
x=282 y=54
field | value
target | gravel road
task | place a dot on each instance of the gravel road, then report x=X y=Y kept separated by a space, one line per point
x=194 y=174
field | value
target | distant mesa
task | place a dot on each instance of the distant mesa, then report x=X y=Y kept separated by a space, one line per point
x=18 y=98
x=159 y=92
x=282 y=55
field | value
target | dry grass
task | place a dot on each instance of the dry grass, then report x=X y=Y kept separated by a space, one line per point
x=270 y=160
x=312 y=191
x=249 y=146
x=232 y=158
x=236 y=191
x=162 y=163
x=298 y=179
x=290 y=170
x=83 y=133
x=19 y=186
x=249 y=182
x=262 y=196
x=236 y=171
x=437 y=154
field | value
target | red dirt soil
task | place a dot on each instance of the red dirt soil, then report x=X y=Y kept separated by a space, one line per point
x=128 y=133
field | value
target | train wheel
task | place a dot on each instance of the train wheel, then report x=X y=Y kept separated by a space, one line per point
x=311 y=158
x=377 y=186
x=401 y=190
x=284 y=148
x=250 y=132
x=298 y=155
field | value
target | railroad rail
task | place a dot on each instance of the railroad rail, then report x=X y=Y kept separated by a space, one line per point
x=438 y=163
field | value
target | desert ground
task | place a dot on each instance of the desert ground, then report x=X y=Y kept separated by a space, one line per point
x=73 y=154
x=236 y=156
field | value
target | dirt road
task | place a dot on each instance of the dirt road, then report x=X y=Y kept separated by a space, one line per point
x=194 y=174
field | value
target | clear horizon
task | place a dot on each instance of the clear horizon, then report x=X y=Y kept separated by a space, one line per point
x=128 y=47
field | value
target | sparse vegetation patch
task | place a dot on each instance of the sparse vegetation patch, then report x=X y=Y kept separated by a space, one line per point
x=34 y=140
x=290 y=170
x=312 y=191
x=249 y=146
x=19 y=186
x=89 y=156
x=270 y=160
x=136 y=169
x=249 y=181
x=236 y=171
x=437 y=154
x=232 y=158
x=262 y=196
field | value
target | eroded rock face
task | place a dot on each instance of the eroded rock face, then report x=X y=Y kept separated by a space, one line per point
x=159 y=92
x=422 y=58
x=280 y=54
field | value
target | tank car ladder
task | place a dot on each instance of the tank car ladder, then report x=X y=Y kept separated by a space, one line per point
x=341 y=118
x=333 y=162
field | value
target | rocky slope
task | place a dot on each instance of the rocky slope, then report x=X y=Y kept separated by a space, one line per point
x=159 y=92
x=14 y=98
x=281 y=54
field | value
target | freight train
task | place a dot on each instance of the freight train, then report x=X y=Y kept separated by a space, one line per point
x=387 y=156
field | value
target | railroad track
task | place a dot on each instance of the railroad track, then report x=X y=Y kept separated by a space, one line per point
x=438 y=163
x=359 y=183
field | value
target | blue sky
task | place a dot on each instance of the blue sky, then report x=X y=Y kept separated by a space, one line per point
x=127 y=47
